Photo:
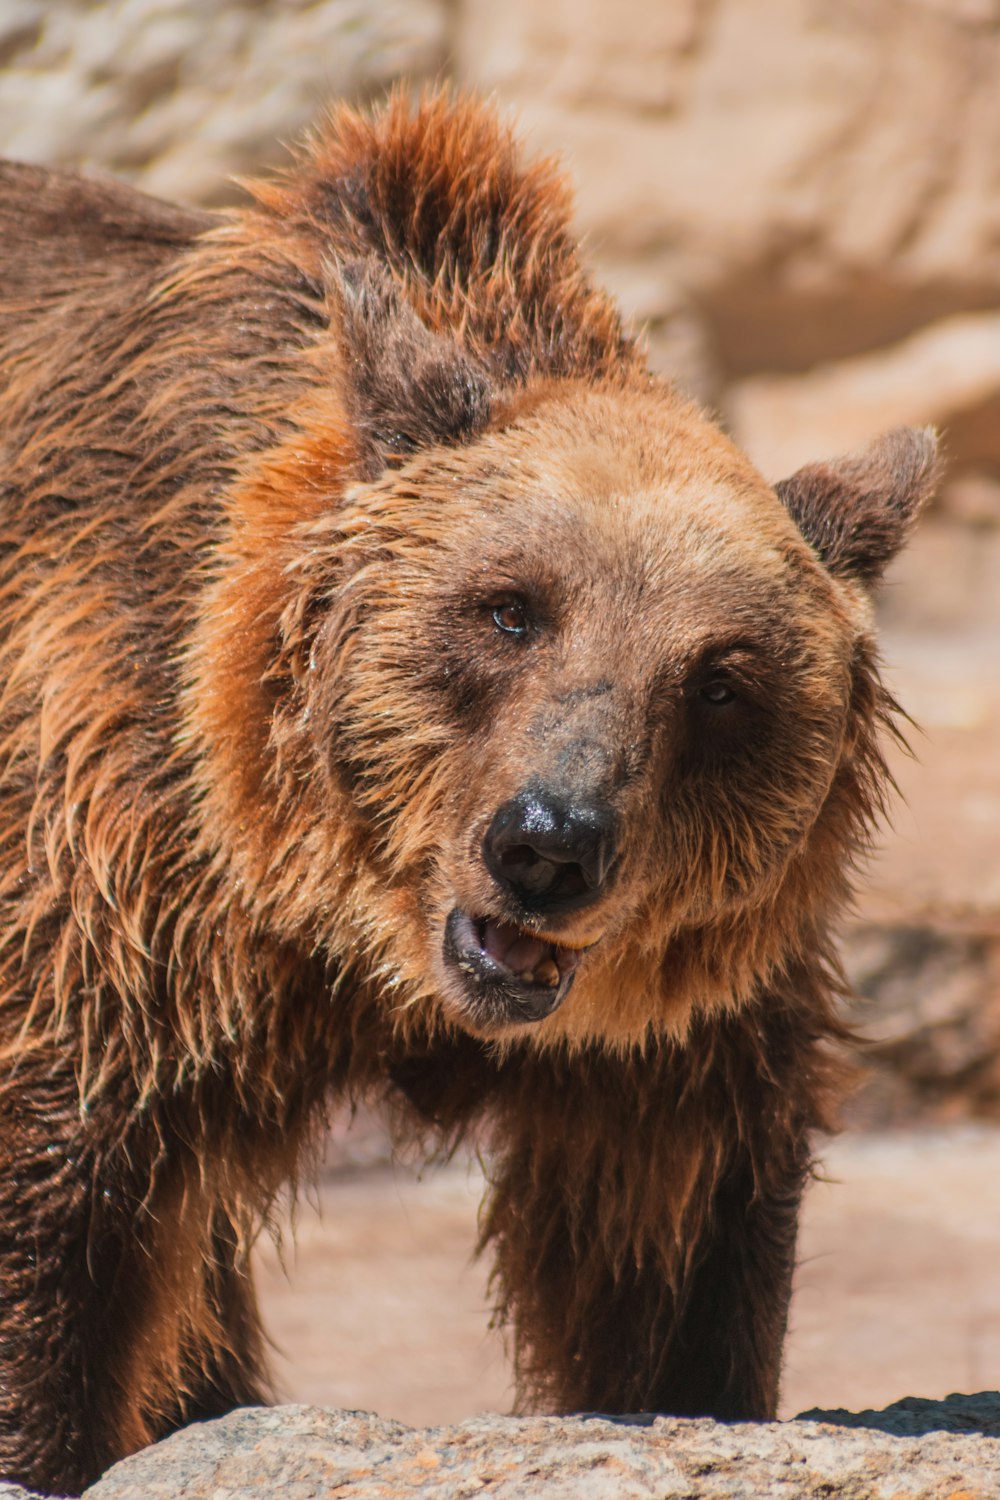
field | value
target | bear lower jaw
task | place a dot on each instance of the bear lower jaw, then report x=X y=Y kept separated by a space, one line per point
x=507 y=975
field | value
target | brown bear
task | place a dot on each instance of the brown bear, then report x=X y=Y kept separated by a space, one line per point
x=405 y=694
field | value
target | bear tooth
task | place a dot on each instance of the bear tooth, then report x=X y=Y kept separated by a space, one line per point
x=527 y=976
x=547 y=972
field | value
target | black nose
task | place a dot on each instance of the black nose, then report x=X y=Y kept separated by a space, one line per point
x=553 y=853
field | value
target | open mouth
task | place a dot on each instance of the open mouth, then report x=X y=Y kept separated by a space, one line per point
x=509 y=975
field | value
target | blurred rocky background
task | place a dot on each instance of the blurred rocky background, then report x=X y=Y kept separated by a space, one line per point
x=800 y=202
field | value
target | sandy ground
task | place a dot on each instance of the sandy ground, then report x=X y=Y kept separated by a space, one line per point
x=898 y=1289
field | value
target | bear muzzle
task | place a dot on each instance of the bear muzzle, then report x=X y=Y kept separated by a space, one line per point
x=548 y=854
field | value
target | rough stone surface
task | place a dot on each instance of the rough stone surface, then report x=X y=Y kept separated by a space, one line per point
x=942 y=374
x=929 y=1002
x=923 y=949
x=176 y=95
x=769 y=187
x=303 y=1453
x=914 y=1416
x=819 y=179
x=818 y=142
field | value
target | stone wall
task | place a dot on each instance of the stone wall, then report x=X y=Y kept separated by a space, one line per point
x=176 y=95
x=799 y=198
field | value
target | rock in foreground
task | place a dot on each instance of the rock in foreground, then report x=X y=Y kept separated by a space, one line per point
x=934 y=1450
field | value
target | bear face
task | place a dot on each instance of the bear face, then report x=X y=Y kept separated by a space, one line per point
x=594 y=713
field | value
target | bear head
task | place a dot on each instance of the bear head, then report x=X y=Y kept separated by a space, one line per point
x=542 y=712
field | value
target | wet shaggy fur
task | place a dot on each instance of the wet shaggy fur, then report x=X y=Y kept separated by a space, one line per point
x=274 y=486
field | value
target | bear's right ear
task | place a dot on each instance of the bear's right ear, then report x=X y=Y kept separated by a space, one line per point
x=857 y=511
x=407 y=387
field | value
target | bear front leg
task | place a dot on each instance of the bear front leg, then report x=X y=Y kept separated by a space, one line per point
x=126 y=1308
x=227 y=1365
x=64 y=1283
x=643 y=1216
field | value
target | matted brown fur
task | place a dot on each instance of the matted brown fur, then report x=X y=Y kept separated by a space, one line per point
x=280 y=490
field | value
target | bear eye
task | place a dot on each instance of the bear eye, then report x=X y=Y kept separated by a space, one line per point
x=511 y=617
x=718 y=692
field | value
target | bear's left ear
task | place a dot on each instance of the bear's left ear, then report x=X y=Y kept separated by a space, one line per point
x=857 y=511
x=407 y=386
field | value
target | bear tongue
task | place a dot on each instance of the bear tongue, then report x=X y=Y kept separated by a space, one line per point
x=525 y=955
x=510 y=946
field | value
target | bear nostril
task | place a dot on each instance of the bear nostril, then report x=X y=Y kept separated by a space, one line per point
x=525 y=867
x=553 y=854
x=530 y=871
